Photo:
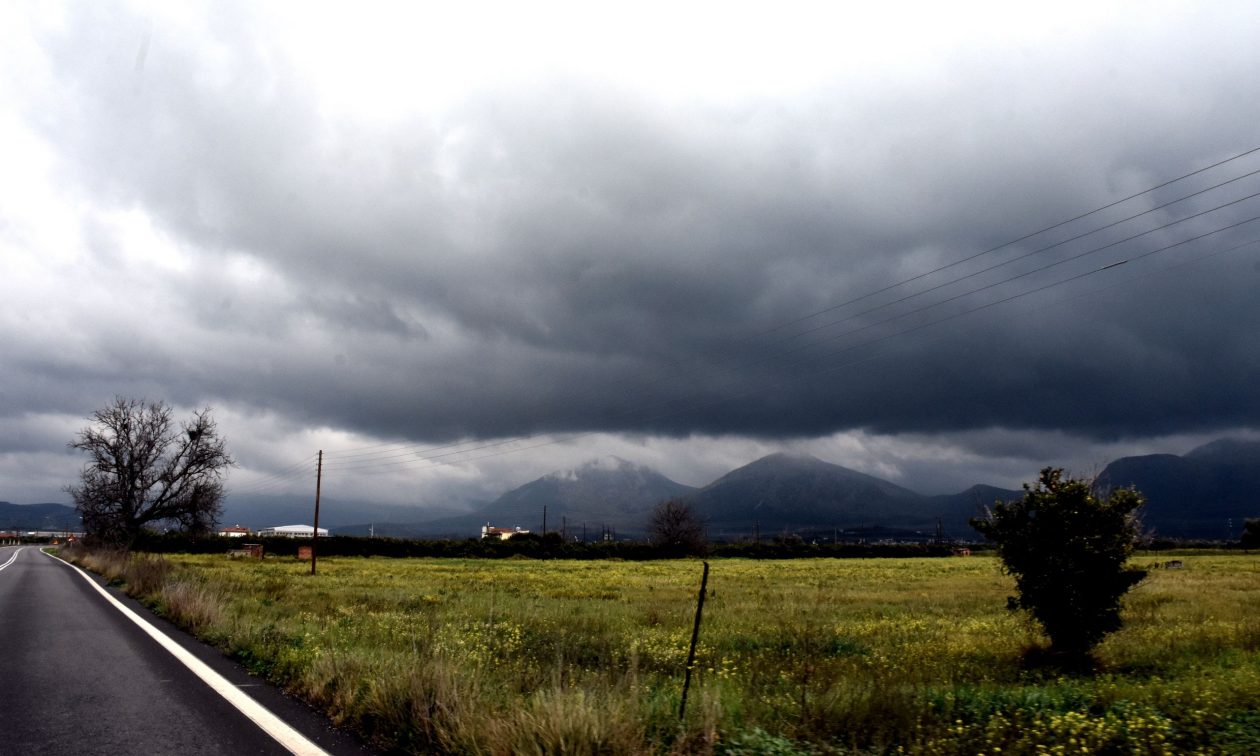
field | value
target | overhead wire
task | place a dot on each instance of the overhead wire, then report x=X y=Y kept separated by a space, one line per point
x=398 y=455
x=1012 y=242
x=1045 y=248
x=1058 y=303
x=468 y=450
x=1034 y=271
x=406 y=451
x=294 y=471
x=569 y=438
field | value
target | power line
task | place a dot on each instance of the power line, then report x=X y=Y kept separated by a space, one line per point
x=1040 y=250
x=372 y=454
x=818 y=369
x=1093 y=292
x=1027 y=273
x=770 y=356
x=395 y=455
x=1010 y=243
x=923 y=326
x=295 y=471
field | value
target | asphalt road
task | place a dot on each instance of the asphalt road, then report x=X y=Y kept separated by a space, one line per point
x=78 y=677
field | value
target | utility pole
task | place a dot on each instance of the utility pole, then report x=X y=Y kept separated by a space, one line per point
x=319 y=479
x=544 y=519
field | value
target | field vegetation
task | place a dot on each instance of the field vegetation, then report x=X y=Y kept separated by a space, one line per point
x=796 y=656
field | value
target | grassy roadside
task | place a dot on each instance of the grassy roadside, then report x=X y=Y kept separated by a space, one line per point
x=797 y=656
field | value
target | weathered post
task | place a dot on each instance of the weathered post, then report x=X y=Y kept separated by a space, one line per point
x=695 y=637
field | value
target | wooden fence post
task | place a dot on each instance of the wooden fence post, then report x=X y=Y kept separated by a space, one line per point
x=695 y=636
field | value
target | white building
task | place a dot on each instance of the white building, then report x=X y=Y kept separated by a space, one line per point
x=291 y=531
x=501 y=533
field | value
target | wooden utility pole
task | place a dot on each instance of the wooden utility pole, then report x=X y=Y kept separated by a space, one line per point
x=319 y=479
x=544 y=519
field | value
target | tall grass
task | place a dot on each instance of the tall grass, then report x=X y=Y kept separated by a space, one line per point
x=872 y=656
x=185 y=600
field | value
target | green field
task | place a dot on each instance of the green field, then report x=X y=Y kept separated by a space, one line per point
x=796 y=656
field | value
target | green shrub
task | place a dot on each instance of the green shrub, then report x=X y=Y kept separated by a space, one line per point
x=1067 y=548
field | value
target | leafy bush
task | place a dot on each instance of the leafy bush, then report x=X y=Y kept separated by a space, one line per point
x=1067 y=549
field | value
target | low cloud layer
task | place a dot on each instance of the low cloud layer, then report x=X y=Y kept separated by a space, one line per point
x=308 y=224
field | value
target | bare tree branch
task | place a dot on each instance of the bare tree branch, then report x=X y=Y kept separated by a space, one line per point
x=675 y=526
x=143 y=469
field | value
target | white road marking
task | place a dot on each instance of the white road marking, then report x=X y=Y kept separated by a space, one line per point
x=15 y=556
x=277 y=728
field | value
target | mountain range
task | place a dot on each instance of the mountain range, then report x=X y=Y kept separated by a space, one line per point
x=1206 y=493
x=775 y=494
x=38 y=517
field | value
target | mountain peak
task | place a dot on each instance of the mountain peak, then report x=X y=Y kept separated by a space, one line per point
x=1228 y=451
x=604 y=490
x=789 y=459
x=795 y=491
x=792 y=456
x=607 y=464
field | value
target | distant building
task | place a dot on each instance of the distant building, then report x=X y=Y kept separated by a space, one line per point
x=234 y=531
x=501 y=533
x=291 y=531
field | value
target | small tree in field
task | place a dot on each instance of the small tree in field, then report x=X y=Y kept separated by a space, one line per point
x=673 y=525
x=1067 y=549
x=143 y=469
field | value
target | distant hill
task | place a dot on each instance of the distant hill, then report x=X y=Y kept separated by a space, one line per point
x=955 y=510
x=1228 y=452
x=604 y=490
x=1206 y=493
x=795 y=492
x=38 y=517
x=609 y=491
x=802 y=493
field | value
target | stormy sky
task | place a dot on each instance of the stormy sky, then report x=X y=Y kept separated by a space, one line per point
x=460 y=248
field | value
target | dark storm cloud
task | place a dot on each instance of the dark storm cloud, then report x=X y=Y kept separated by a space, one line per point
x=579 y=256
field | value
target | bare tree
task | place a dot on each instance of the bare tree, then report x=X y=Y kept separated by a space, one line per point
x=143 y=469
x=674 y=525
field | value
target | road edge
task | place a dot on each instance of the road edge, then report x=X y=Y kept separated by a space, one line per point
x=279 y=730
